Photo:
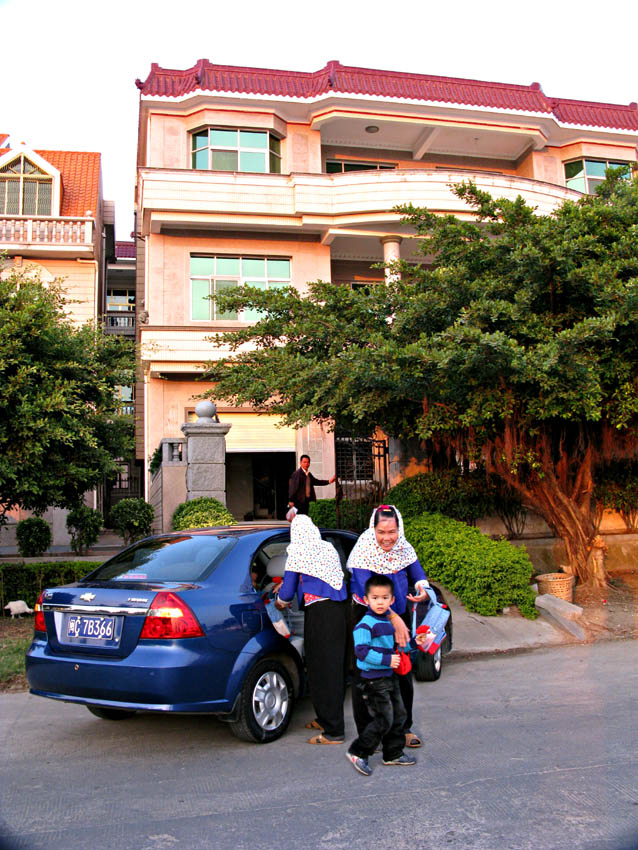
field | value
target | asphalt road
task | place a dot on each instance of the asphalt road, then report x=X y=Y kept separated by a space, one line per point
x=527 y=752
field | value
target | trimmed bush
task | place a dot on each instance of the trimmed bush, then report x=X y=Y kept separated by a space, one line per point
x=487 y=575
x=27 y=581
x=84 y=525
x=353 y=515
x=33 y=536
x=132 y=519
x=465 y=497
x=203 y=512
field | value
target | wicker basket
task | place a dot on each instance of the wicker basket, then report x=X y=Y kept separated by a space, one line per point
x=558 y=584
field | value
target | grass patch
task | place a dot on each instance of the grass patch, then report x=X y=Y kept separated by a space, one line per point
x=15 y=639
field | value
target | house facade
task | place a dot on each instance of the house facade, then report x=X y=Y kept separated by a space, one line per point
x=271 y=178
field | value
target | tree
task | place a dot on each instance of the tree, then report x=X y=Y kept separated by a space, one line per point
x=59 y=428
x=518 y=345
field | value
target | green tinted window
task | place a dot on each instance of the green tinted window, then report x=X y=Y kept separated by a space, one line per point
x=574 y=169
x=577 y=183
x=252 y=162
x=200 y=159
x=250 y=314
x=220 y=287
x=279 y=268
x=275 y=164
x=202 y=266
x=223 y=138
x=594 y=168
x=227 y=266
x=253 y=268
x=200 y=309
x=250 y=139
x=275 y=144
x=200 y=140
x=224 y=160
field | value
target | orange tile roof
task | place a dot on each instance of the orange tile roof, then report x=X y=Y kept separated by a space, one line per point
x=80 y=173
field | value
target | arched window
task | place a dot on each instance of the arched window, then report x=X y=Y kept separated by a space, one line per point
x=25 y=189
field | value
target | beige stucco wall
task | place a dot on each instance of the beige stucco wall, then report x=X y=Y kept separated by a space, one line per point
x=78 y=281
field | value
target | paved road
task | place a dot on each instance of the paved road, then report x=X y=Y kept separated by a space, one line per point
x=529 y=752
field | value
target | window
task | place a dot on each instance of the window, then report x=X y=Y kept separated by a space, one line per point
x=24 y=188
x=126 y=400
x=120 y=300
x=219 y=149
x=339 y=166
x=585 y=175
x=214 y=275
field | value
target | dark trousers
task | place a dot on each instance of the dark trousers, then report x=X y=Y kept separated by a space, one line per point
x=406 y=685
x=325 y=640
x=387 y=718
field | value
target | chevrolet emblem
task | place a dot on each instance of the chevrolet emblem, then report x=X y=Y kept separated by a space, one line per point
x=88 y=597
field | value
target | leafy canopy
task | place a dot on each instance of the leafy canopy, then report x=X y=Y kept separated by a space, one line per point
x=59 y=428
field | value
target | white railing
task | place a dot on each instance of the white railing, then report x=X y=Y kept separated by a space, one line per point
x=45 y=230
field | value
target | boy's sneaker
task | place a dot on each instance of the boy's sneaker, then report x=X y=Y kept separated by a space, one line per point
x=359 y=764
x=401 y=760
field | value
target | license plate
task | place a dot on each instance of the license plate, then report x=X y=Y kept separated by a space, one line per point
x=93 y=628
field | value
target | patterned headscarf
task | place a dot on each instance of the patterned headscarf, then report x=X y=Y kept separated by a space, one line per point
x=309 y=554
x=368 y=555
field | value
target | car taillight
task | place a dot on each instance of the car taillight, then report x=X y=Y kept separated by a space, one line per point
x=38 y=623
x=169 y=617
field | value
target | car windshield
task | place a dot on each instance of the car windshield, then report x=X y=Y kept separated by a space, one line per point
x=183 y=559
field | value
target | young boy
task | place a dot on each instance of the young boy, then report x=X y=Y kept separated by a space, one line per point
x=376 y=659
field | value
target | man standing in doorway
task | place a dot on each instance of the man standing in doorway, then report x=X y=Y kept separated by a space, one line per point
x=302 y=486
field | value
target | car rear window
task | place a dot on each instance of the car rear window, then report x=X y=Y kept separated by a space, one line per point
x=185 y=558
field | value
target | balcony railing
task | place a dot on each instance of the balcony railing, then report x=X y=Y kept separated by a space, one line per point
x=46 y=231
x=120 y=323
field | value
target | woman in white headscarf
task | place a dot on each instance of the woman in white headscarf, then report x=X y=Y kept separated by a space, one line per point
x=314 y=574
x=383 y=549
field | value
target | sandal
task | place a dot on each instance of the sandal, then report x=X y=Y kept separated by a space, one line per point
x=321 y=739
x=314 y=724
x=413 y=741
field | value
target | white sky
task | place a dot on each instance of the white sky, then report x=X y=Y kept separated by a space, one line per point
x=70 y=67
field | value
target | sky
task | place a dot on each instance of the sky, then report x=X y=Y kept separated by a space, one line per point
x=70 y=67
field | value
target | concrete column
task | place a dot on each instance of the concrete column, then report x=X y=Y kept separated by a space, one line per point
x=391 y=253
x=206 y=454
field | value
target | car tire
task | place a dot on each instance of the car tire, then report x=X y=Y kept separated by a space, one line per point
x=110 y=713
x=427 y=668
x=265 y=704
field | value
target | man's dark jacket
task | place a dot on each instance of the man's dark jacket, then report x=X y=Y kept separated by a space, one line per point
x=297 y=488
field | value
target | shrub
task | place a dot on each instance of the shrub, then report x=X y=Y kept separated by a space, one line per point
x=487 y=575
x=202 y=512
x=84 y=525
x=465 y=497
x=353 y=514
x=617 y=490
x=132 y=519
x=33 y=536
x=155 y=461
x=27 y=581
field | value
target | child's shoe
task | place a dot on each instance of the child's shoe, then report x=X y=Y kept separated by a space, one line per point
x=359 y=764
x=401 y=760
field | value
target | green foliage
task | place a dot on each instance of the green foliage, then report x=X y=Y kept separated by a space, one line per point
x=59 y=427
x=487 y=575
x=132 y=519
x=155 y=461
x=33 y=536
x=617 y=490
x=203 y=512
x=463 y=496
x=12 y=652
x=84 y=525
x=353 y=514
x=27 y=581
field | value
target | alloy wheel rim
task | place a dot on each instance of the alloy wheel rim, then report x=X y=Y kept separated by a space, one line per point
x=270 y=700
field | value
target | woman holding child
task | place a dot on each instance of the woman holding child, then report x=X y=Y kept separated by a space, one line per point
x=383 y=550
x=314 y=574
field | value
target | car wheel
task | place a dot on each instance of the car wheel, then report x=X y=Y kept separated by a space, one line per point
x=110 y=713
x=265 y=704
x=427 y=668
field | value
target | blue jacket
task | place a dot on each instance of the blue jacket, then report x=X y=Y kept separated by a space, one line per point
x=373 y=645
x=301 y=583
x=401 y=580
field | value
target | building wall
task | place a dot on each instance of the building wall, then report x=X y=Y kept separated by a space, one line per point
x=78 y=280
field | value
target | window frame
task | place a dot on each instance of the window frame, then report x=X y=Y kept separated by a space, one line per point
x=608 y=163
x=241 y=280
x=369 y=165
x=271 y=151
x=23 y=179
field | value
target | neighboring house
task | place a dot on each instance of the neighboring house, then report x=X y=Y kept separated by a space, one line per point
x=54 y=221
x=271 y=177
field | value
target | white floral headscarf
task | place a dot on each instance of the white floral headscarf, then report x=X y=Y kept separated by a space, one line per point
x=368 y=555
x=309 y=554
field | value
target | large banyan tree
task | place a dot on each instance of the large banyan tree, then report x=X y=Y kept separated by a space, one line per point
x=517 y=346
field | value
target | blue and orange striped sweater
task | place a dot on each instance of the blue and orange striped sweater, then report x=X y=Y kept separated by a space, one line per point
x=373 y=645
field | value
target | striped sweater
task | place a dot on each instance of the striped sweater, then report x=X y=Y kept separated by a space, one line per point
x=373 y=645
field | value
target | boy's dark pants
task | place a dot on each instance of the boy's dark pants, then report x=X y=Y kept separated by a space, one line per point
x=387 y=719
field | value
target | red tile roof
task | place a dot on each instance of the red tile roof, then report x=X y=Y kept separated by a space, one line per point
x=125 y=250
x=80 y=174
x=338 y=78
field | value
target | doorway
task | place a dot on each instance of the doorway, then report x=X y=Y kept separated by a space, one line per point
x=257 y=484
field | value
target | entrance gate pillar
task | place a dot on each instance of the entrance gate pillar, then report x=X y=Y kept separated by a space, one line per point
x=206 y=454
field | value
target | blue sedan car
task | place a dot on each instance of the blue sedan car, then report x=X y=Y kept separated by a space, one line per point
x=178 y=622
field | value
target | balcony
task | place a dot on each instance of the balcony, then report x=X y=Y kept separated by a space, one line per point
x=120 y=323
x=46 y=236
x=181 y=199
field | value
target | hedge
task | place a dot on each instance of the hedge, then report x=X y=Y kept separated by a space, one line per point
x=27 y=581
x=465 y=497
x=203 y=512
x=487 y=575
x=354 y=515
